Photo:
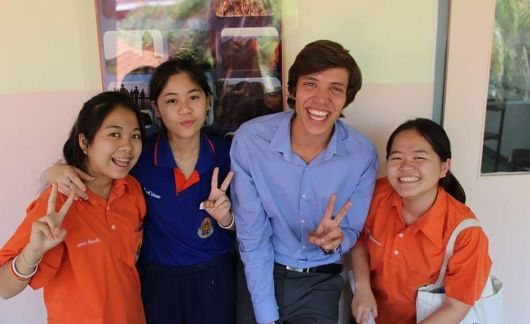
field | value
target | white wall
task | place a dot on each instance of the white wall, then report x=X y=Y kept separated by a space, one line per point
x=392 y=41
x=499 y=201
x=49 y=66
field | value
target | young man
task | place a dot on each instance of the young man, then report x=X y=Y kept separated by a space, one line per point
x=297 y=173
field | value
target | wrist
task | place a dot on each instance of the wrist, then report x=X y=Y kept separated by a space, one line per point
x=330 y=252
x=227 y=222
x=21 y=270
x=30 y=257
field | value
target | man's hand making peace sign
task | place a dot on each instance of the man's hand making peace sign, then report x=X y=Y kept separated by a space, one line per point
x=328 y=234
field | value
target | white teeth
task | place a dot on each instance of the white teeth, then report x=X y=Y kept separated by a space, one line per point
x=408 y=179
x=318 y=114
x=121 y=161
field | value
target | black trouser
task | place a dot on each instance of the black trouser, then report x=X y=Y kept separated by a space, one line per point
x=302 y=298
x=197 y=294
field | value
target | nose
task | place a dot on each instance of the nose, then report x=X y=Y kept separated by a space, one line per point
x=184 y=107
x=322 y=94
x=406 y=165
x=126 y=144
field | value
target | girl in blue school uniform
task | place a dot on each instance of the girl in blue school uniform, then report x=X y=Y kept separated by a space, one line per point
x=186 y=267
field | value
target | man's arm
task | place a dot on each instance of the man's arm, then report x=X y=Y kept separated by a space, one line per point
x=361 y=198
x=254 y=233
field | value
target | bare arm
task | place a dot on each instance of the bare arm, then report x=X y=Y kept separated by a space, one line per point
x=46 y=233
x=363 y=302
x=451 y=311
x=68 y=179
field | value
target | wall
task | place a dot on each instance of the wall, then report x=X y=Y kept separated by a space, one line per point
x=50 y=66
x=392 y=41
x=500 y=201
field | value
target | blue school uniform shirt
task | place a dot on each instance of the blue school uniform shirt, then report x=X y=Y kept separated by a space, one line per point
x=176 y=231
x=278 y=199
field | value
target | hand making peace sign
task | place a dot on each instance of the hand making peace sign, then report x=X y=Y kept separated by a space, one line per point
x=46 y=232
x=328 y=234
x=218 y=204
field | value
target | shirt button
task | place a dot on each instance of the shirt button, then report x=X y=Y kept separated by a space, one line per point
x=303 y=196
x=401 y=235
x=303 y=247
x=108 y=207
x=302 y=221
x=113 y=227
x=396 y=252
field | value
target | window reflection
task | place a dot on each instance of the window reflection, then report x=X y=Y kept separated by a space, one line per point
x=507 y=129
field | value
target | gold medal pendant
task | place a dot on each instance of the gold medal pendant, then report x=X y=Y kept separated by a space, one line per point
x=206 y=228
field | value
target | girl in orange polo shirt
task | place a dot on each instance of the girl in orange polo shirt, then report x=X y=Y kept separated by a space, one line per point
x=82 y=252
x=413 y=213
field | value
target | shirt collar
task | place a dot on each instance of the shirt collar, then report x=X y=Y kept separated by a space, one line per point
x=281 y=140
x=432 y=222
x=163 y=156
x=119 y=186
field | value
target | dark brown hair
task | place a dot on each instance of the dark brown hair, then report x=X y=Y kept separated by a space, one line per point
x=321 y=55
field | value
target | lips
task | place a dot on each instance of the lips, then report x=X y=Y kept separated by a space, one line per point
x=317 y=114
x=408 y=179
x=187 y=123
x=121 y=161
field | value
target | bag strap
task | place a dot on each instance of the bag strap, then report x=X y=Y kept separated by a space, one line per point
x=466 y=223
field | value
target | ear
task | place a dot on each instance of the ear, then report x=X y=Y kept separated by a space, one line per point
x=83 y=143
x=157 y=111
x=208 y=103
x=445 y=168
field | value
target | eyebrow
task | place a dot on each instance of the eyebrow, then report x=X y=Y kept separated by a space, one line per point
x=176 y=94
x=416 y=151
x=307 y=77
x=120 y=127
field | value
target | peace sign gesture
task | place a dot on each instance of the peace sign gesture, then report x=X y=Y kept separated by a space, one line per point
x=328 y=234
x=218 y=204
x=46 y=232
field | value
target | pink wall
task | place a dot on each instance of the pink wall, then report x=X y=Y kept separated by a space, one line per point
x=33 y=129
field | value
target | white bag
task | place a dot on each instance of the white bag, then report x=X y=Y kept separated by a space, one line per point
x=487 y=310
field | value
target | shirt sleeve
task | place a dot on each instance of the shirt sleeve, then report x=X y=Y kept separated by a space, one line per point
x=361 y=198
x=51 y=260
x=469 y=267
x=254 y=232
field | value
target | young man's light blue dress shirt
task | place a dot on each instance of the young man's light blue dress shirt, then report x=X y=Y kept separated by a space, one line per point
x=278 y=199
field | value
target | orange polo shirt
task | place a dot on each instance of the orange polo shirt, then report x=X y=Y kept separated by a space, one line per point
x=91 y=276
x=404 y=258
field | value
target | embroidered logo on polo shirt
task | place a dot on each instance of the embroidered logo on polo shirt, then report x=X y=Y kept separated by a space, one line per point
x=372 y=238
x=206 y=228
x=89 y=242
x=151 y=193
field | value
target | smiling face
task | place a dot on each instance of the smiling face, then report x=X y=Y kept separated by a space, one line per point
x=320 y=98
x=116 y=146
x=182 y=106
x=413 y=168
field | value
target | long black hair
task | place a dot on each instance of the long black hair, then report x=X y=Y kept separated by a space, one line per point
x=437 y=137
x=89 y=121
x=185 y=61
